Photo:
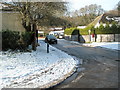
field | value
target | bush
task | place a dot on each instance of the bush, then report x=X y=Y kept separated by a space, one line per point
x=114 y=29
x=14 y=40
x=10 y=39
x=26 y=39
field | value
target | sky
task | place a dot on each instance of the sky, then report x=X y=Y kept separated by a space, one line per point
x=106 y=4
x=77 y=4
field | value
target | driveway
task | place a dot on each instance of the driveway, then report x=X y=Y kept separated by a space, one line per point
x=100 y=66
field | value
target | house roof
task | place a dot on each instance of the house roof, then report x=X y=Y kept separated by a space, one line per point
x=104 y=18
x=96 y=20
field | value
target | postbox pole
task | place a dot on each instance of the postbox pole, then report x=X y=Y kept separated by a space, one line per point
x=47 y=47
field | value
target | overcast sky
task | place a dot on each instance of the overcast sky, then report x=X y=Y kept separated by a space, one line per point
x=106 y=4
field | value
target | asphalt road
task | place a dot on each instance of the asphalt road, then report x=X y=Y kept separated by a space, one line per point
x=99 y=68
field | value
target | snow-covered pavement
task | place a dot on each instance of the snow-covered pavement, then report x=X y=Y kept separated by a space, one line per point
x=109 y=45
x=35 y=69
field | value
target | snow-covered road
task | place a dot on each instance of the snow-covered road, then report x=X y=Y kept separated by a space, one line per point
x=35 y=69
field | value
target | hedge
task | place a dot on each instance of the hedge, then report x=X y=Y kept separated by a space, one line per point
x=10 y=39
x=114 y=29
x=69 y=31
x=15 y=40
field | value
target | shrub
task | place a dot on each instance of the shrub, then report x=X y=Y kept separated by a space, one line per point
x=10 y=39
x=100 y=30
x=114 y=29
x=26 y=39
x=14 y=40
x=118 y=29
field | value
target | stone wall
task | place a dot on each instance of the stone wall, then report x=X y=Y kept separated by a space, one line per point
x=74 y=37
x=117 y=37
x=99 y=38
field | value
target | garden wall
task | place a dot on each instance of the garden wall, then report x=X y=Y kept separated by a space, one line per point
x=99 y=38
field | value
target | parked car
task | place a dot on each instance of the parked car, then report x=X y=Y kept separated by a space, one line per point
x=51 y=39
x=60 y=36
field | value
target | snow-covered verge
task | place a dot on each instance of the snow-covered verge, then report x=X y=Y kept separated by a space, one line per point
x=109 y=45
x=35 y=69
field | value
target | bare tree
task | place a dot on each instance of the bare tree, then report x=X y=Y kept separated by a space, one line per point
x=33 y=12
x=87 y=14
x=118 y=6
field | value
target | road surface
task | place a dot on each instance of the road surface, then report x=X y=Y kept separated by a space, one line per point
x=99 y=68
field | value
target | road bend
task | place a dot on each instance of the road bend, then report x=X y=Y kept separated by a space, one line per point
x=99 y=68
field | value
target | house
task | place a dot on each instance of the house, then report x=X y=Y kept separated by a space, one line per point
x=104 y=18
x=40 y=33
x=11 y=20
x=58 y=32
x=3 y=6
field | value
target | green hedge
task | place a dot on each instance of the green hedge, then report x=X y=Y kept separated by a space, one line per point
x=14 y=40
x=74 y=31
x=69 y=31
x=85 y=30
x=114 y=29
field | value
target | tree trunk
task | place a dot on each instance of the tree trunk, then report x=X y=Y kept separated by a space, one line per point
x=34 y=36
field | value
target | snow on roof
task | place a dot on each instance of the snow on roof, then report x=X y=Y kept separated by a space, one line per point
x=40 y=31
x=113 y=18
x=57 y=28
x=57 y=32
x=82 y=27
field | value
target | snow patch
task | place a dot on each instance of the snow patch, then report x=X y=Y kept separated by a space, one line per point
x=109 y=45
x=34 y=69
